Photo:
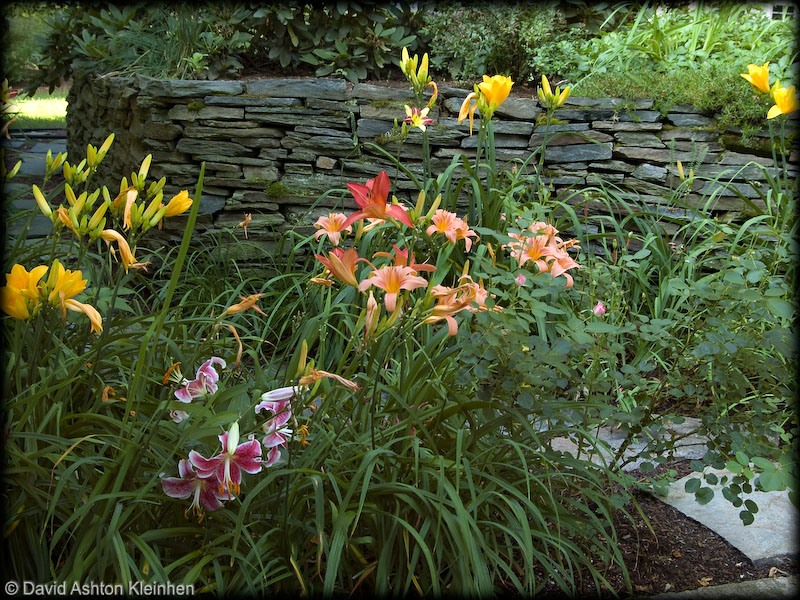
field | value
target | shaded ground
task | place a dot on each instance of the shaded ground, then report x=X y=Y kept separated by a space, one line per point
x=679 y=554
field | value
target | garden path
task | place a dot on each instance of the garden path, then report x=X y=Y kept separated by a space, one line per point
x=769 y=540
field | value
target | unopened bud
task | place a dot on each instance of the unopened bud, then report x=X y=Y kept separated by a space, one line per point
x=41 y=201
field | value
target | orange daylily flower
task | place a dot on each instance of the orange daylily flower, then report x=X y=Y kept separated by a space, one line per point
x=246 y=304
x=372 y=197
x=128 y=259
x=243 y=224
x=401 y=259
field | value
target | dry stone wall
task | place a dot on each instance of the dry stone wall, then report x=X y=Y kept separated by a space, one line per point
x=272 y=147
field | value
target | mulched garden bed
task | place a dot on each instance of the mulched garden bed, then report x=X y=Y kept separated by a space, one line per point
x=679 y=554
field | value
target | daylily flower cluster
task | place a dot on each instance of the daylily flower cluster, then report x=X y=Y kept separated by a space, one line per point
x=552 y=100
x=420 y=80
x=82 y=218
x=786 y=99
x=401 y=274
x=24 y=293
x=545 y=249
x=210 y=480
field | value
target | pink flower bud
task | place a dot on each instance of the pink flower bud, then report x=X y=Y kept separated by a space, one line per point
x=520 y=280
x=599 y=309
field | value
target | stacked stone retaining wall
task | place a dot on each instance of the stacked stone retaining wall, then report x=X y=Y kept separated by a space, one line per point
x=272 y=147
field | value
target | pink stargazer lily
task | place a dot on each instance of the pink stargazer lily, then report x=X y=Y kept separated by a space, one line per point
x=227 y=466
x=392 y=280
x=371 y=197
x=277 y=402
x=204 y=383
x=203 y=490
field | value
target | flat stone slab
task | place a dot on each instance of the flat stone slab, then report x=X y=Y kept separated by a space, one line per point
x=777 y=588
x=773 y=533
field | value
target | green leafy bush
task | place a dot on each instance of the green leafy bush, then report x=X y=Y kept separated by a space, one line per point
x=520 y=40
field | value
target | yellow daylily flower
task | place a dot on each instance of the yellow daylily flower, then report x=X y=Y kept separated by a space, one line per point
x=468 y=107
x=758 y=77
x=128 y=259
x=179 y=204
x=488 y=96
x=495 y=90
x=21 y=293
x=785 y=101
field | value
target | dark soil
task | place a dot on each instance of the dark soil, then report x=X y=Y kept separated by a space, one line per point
x=678 y=554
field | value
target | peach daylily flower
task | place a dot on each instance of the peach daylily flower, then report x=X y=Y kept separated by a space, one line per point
x=392 y=280
x=342 y=264
x=444 y=221
x=332 y=226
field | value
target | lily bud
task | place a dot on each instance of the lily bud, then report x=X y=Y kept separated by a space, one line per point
x=143 y=170
x=105 y=147
x=158 y=216
x=233 y=437
x=436 y=202
x=94 y=222
x=41 y=201
x=154 y=205
x=69 y=194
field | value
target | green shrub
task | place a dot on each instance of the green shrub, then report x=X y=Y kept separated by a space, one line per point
x=520 y=40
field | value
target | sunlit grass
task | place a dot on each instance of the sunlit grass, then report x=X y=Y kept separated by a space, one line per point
x=42 y=111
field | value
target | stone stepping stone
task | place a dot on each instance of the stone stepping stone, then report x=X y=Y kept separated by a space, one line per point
x=771 y=537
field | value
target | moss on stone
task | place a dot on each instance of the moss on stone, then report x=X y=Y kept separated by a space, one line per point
x=196 y=105
x=276 y=189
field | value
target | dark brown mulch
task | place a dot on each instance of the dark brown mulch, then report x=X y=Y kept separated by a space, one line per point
x=678 y=554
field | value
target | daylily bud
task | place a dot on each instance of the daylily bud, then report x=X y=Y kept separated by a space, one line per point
x=422 y=74
x=10 y=174
x=69 y=194
x=681 y=174
x=143 y=170
x=301 y=362
x=436 y=202
x=105 y=147
x=158 y=216
x=91 y=155
x=41 y=201
x=94 y=222
x=420 y=203
x=154 y=205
